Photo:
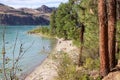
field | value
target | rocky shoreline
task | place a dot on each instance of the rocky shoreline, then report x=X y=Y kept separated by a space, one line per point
x=48 y=69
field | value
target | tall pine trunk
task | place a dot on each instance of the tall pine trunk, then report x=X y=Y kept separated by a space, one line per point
x=111 y=32
x=103 y=38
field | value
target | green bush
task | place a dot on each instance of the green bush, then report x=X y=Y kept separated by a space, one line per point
x=67 y=69
x=43 y=30
x=91 y=64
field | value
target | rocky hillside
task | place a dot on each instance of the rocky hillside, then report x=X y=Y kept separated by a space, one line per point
x=45 y=9
x=24 y=16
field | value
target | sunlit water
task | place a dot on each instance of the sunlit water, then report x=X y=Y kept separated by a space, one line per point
x=34 y=55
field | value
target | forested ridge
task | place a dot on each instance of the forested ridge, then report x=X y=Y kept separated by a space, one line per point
x=80 y=21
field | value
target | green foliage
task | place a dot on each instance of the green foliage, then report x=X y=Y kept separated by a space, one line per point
x=88 y=16
x=91 y=64
x=67 y=69
x=118 y=40
x=65 y=21
x=43 y=30
x=52 y=23
x=118 y=33
x=68 y=19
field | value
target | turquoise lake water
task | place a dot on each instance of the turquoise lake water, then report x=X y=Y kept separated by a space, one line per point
x=34 y=56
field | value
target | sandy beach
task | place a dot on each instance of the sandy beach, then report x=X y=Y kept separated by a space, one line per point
x=48 y=69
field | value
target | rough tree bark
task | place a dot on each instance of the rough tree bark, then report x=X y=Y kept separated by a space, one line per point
x=111 y=32
x=103 y=38
x=82 y=44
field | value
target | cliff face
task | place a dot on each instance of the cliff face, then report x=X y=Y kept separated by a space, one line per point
x=23 y=16
x=10 y=19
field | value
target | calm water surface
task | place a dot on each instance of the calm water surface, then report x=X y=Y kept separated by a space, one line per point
x=35 y=55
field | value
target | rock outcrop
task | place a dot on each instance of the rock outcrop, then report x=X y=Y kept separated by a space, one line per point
x=46 y=9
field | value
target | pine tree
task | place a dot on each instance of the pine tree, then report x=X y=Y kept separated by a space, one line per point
x=103 y=38
x=66 y=20
x=53 y=23
x=112 y=32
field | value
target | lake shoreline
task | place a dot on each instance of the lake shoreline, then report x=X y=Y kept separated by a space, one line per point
x=30 y=45
x=27 y=73
x=40 y=68
x=47 y=70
